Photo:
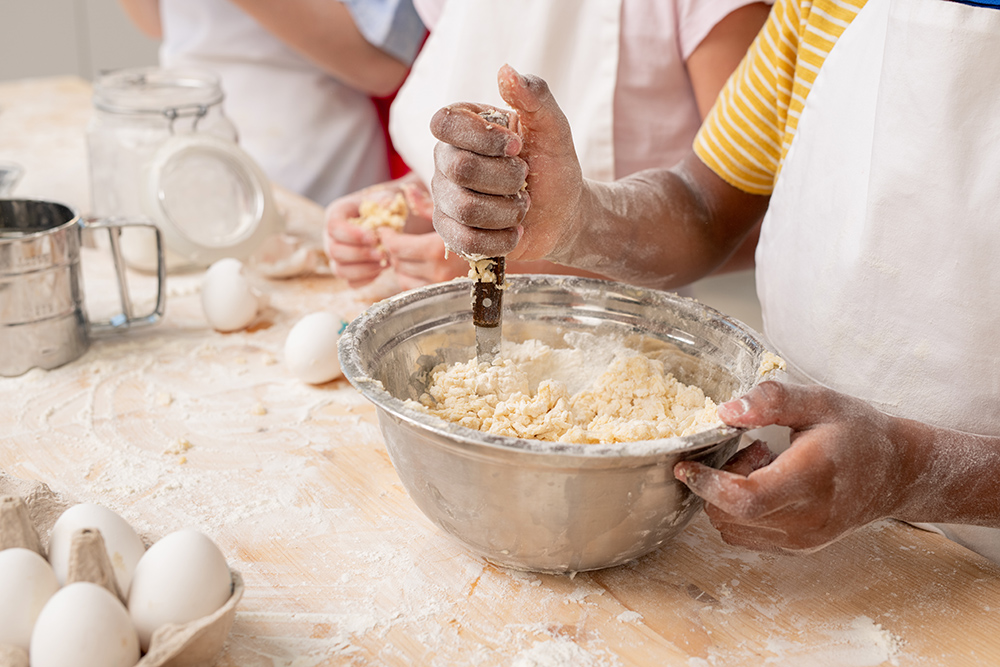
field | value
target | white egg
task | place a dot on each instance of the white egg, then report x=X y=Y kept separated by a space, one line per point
x=225 y=265
x=181 y=578
x=84 y=625
x=26 y=584
x=311 y=348
x=123 y=544
x=227 y=299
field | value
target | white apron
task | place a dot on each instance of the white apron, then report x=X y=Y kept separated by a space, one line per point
x=878 y=267
x=460 y=60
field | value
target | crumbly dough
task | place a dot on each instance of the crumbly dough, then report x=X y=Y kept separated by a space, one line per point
x=375 y=215
x=635 y=398
x=769 y=363
x=481 y=269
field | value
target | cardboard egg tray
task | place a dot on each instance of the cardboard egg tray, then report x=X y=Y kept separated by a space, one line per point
x=28 y=511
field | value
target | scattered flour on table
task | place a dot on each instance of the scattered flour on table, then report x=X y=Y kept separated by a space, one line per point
x=629 y=617
x=590 y=393
x=559 y=652
x=863 y=643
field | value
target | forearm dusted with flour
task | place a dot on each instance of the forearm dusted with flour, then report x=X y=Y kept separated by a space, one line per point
x=661 y=227
x=948 y=476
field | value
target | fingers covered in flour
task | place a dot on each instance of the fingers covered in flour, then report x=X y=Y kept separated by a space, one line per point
x=486 y=174
x=841 y=472
x=471 y=222
x=490 y=177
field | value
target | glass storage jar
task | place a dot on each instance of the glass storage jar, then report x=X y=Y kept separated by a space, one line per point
x=149 y=125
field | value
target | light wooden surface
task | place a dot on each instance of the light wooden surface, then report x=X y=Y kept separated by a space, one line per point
x=179 y=426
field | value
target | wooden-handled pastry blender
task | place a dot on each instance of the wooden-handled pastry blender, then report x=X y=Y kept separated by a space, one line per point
x=487 y=294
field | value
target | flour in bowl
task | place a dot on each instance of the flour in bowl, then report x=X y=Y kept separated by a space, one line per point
x=586 y=394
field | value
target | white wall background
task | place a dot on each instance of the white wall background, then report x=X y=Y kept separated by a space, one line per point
x=69 y=37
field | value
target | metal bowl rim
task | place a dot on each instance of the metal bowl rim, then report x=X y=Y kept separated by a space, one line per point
x=463 y=436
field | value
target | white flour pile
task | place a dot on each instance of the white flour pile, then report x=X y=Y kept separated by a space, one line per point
x=594 y=392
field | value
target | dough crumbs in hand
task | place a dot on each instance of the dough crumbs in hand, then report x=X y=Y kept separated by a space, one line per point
x=769 y=363
x=376 y=215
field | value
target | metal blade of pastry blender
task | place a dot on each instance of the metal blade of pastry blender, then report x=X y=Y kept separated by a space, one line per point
x=487 y=295
x=487 y=307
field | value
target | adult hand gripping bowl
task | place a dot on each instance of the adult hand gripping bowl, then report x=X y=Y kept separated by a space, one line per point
x=530 y=504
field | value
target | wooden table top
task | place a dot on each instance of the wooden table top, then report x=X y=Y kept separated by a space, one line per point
x=180 y=426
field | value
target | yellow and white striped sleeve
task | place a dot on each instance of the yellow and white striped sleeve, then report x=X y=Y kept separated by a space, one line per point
x=747 y=133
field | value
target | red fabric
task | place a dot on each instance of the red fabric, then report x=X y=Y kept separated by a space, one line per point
x=397 y=167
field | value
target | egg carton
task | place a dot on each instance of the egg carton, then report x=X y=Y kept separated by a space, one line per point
x=28 y=510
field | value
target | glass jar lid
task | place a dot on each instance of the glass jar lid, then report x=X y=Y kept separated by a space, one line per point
x=151 y=90
x=209 y=198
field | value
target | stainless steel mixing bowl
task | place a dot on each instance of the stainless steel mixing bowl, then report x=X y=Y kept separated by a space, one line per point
x=529 y=504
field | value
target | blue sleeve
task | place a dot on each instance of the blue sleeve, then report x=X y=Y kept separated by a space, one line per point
x=392 y=25
x=995 y=4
